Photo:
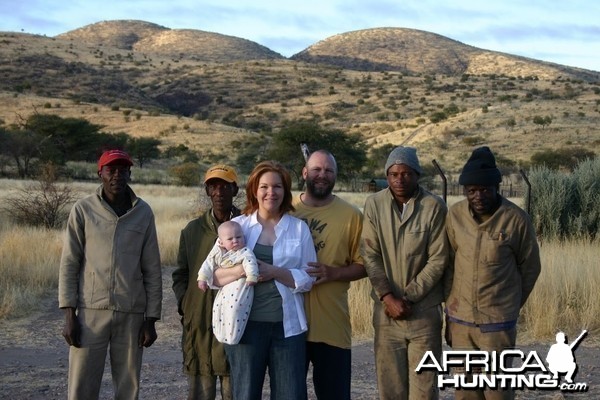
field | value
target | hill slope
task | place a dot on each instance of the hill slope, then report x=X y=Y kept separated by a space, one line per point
x=413 y=51
x=152 y=39
x=220 y=95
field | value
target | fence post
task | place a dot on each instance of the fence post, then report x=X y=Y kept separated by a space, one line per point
x=528 y=190
x=445 y=182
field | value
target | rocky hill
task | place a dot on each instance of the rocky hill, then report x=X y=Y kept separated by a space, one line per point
x=218 y=94
x=122 y=34
x=413 y=51
x=147 y=38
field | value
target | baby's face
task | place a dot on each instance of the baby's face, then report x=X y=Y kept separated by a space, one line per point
x=232 y=238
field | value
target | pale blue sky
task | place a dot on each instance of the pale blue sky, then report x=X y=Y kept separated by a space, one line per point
x=565 y=32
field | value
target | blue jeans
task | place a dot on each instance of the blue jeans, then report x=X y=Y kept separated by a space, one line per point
x=331 y=370
x=263 y=346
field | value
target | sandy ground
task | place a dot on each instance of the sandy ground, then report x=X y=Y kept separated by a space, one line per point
x=34 y=360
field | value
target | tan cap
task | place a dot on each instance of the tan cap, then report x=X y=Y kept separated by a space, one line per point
x=221 y=171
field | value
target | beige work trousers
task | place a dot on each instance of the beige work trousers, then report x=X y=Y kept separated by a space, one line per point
x=466 y=337
x=103 y=330
x=399 y=347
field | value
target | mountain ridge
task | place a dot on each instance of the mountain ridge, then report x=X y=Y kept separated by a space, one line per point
x=218 y=95
x=404 y=50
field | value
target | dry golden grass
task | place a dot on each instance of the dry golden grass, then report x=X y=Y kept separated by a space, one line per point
x=566 y=294
x=28 y=267
x=565 y=297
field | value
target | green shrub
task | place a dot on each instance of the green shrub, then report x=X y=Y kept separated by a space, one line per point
x=186 y=174
x=552 y=201
x=587 y=192
x=566 y=205
x=566 y=158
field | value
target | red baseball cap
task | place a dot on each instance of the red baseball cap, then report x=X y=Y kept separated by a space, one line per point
x=110 y=156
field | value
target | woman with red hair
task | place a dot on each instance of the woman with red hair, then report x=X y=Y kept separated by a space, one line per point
x=274 y=337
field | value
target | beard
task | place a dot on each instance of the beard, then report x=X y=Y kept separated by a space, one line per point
x=319 y=192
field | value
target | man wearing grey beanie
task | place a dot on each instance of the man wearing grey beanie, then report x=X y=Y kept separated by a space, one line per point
x=497 y=258
x=405 y=252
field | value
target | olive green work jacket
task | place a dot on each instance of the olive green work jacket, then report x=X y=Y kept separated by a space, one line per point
x=202 y=353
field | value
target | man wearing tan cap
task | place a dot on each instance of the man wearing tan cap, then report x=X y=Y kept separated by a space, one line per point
x=203 y=356
x=110 y=283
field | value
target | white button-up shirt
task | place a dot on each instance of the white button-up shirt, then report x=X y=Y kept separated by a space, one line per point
x=293 y=249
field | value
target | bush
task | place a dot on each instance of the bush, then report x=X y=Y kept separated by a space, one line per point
x=552 y=201
x=43 y=203
x=587 y=192
x=568 y=158
x=566 y=205
x=186 y=174
x=437 y=116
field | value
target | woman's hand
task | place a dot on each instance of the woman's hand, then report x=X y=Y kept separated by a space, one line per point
x=265 y=271
x=269 y=272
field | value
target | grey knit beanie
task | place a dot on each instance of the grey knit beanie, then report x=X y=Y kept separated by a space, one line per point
x=404 y=155
x=480 y=169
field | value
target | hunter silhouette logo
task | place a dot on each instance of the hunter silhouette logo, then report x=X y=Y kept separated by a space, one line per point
x=560 y=356
x=510 y=368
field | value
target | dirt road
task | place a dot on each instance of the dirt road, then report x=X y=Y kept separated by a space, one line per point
x=34 y=360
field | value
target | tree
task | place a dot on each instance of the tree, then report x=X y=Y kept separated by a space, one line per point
x=144 y=149
x=349 y=150
x=66 y=138
x=378 y=158
x=22 y=147
x=254 y=151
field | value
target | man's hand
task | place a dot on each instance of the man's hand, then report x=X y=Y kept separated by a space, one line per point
x=447 y=332
x=147 y=334
x=323 y=273
x=396 y=308
x=72 y=329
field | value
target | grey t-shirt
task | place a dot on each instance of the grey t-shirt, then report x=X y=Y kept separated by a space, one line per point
x=266 y=306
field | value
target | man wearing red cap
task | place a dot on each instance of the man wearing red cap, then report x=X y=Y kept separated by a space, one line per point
x=204 y=358
x=110 y=283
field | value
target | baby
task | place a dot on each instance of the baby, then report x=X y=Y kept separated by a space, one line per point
x=229 y=250
x=233 y=302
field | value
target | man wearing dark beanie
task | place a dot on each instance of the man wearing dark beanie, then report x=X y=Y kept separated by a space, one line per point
x=496 y=264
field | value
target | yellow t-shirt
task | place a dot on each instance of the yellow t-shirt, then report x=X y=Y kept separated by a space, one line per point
x=336 y=230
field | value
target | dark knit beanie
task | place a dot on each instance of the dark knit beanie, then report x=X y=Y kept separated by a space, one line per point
x=480 y=169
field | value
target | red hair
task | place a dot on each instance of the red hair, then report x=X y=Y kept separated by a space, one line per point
x=252 y=186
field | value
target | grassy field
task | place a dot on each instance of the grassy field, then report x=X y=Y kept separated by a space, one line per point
x=565 y=297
